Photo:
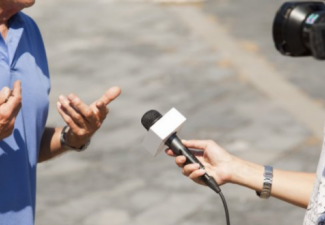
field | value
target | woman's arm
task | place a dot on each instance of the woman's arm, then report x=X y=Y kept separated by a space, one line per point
x=292 y=187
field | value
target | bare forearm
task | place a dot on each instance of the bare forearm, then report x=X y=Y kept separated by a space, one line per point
x=292 y=187
x=50 y=144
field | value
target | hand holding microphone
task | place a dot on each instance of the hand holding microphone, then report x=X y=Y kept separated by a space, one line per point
x=162 y=131
x=170 y=139
x=216 y=161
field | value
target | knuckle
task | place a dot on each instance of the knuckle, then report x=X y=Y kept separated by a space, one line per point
x=98 y=125
x=81 y=133
x=88 y=113
x=72 y=96
x=78 y=117
x=65 y=104
x=6 y=114
x=68 y=120
x=19 y=98
x=76 y=101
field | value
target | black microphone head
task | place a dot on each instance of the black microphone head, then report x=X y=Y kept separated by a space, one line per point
x=150 y=118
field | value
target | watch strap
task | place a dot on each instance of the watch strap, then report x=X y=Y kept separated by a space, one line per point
x=267 y=183
x=67 y=147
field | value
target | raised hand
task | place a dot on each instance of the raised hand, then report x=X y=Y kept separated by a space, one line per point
x=82 y=119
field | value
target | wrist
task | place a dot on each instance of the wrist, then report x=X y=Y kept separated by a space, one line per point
x=70 y=141
x=228 y=170
x=247 y=174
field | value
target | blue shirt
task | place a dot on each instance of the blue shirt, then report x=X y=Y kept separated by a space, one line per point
x=23 y=57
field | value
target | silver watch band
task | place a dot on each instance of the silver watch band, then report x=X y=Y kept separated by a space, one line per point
x=67 y=147
x=267 y=183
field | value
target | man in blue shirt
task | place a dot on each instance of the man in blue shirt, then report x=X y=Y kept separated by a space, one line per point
x=24 y=139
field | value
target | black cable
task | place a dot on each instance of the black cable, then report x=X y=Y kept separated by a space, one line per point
x=211 y=182
x=225 y=207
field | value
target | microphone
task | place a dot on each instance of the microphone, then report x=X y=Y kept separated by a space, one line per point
x=150 y=118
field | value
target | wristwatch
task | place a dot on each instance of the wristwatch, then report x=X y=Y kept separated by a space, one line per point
x=67 y=147
x=267 y=183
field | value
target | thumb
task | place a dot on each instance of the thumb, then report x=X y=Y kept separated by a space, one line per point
x=109 y=95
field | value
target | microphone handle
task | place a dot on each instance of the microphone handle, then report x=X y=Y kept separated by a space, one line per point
x=176 y=145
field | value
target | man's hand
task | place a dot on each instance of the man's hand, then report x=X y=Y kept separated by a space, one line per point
x=82 y=119
x=10 y=105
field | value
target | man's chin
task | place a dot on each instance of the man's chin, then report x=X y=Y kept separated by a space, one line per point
x=29 y=3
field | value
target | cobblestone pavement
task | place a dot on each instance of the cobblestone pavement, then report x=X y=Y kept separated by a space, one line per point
x=161 y=62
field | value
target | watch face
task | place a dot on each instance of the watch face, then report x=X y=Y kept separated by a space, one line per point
x=264 y=195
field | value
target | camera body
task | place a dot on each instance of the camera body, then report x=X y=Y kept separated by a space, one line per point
x=299 y=29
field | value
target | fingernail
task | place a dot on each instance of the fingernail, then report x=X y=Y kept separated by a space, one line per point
x=197 y=165
x=7 y=91
x=58 y=104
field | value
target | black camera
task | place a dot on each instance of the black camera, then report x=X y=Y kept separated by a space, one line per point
x=299 y=29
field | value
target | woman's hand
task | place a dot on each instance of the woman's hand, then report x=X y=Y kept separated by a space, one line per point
x=218 y=163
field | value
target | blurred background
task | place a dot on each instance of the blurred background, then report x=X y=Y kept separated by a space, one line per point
x=215 y=62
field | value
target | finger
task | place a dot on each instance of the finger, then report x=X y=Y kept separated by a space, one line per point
x=197 y=152
x=198 y=144
x=14 y=100
x=180 y=160
x=195 y=175
x=82 y=108
x=4 y=94
x=199 y=181
x=102 y=110
x=10 y=109
x=170 y=152
x=9 y=127
x=16 y=90
x=110 y=95
x=71 y=123
x=74 y=114
x=15 y=111
x=190 y=168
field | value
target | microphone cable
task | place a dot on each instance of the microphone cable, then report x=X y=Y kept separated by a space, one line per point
x=224 y=202
x=212 y=183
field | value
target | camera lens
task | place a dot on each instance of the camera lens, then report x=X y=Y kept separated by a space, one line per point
x=293 y=24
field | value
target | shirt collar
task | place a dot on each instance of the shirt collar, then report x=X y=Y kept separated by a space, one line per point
x=15 y=21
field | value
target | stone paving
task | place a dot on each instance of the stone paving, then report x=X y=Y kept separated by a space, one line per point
x=159 y=63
